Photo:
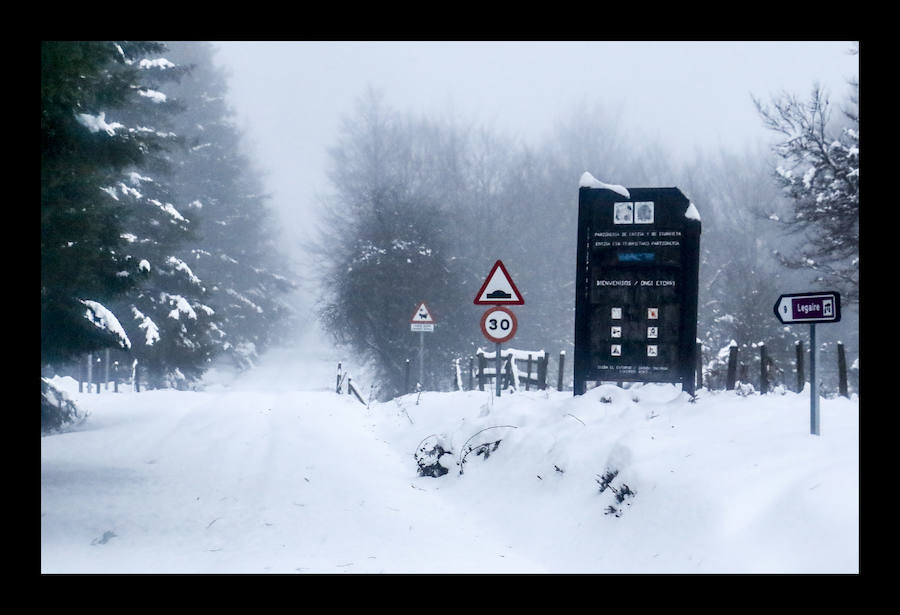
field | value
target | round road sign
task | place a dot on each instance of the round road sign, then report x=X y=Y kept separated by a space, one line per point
x=499 y=324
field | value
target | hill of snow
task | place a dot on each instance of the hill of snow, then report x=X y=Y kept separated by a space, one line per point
x=275 y=472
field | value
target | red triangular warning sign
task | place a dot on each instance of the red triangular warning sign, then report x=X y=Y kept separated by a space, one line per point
x=422 y=315
x=499 y=289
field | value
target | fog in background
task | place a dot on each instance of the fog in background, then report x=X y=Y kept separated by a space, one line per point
x=689 y=96
x=689 y=99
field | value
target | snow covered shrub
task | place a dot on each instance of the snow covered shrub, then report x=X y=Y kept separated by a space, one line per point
x=621 y=495
x=176 y=380
x=744 y=389
x=57 y=410
x=606 y=478
x=428 y=457
x=483 y=450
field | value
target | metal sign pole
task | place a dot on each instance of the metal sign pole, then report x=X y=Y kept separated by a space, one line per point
x=498 y=369
x=813 y=392
x=422 y=359
x=799 y=308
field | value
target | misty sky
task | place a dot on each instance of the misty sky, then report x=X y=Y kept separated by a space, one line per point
x=688 y=96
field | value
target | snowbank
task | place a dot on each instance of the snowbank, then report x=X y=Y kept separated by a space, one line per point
x=286 y=479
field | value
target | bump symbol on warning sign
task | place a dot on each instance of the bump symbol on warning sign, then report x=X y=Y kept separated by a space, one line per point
x=498 y=288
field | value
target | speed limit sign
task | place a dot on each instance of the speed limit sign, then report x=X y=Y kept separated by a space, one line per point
x=499 y=324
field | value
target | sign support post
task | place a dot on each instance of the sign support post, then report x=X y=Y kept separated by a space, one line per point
x=499 y=364
x=797 y=308
x=422 y=359
x=813 y=392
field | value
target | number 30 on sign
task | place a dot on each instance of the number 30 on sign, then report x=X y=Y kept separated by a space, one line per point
x=499 y=324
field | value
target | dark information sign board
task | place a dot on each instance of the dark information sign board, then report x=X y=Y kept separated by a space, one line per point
x=636 y=287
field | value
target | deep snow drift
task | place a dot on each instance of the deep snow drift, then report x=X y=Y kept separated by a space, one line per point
x=274 y=472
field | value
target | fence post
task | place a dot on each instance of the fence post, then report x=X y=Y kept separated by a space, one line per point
x=106 y=370
x=509 y=375
x=90 y=371
x=842 y=370
x=99 y=360
x=470 y=373
x=800 y=379
x=732 y=368
x=481 y=362
x=562 y=361
x=528 y=370
x=115 y=376
x=81 y=375
x=542 y=372
x=136 y=377
x=351 y=390
x=763 y=371
x=406 y=379
x=337 y=384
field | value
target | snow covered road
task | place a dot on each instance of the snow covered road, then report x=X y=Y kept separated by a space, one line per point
x=245 y=482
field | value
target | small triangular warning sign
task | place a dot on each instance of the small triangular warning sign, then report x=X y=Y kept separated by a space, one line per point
x=422 y=315
x=498 y=288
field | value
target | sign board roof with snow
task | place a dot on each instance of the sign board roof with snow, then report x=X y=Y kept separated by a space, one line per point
x=636 y=285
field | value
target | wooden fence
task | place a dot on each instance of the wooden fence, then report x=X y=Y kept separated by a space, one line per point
x=770 y=374
x=97 y=371
x=521 y=370
x=343 y=377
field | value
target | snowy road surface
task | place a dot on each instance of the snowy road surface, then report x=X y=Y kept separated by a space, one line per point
x=246 y=482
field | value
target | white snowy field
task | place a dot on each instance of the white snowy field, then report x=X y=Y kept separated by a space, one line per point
x=273 y=472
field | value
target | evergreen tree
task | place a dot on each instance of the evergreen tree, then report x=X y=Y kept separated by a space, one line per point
x=235 y=247
x=213 y=281
x=164 y=313
x=85 y=151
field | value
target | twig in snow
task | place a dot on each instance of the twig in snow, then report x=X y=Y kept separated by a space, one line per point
x=403 y=410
